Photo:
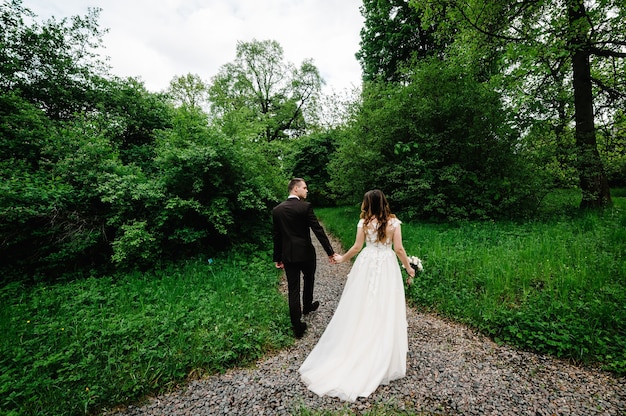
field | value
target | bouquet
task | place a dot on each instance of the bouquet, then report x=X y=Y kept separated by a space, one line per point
x=416 y=263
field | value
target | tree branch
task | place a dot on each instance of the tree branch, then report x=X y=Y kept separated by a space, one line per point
x=613 y=93
x=486 y=32
x=607 y=53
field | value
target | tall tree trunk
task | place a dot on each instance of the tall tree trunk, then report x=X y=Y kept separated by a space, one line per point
x=593 y=182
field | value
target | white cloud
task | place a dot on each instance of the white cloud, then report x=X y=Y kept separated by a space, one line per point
x=157 y=40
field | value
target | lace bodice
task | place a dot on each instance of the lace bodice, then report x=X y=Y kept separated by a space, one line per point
x=371 y=232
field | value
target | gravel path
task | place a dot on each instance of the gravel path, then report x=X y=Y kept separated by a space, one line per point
x=451 y=370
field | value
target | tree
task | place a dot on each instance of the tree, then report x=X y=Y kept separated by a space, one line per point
x=188 y=91
x=261 y=96
x=337 y=109
x=593 y=181
x=53 y=64
x=542 y=40
x=393 y=33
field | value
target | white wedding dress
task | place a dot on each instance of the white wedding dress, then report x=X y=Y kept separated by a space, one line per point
x=365 y=344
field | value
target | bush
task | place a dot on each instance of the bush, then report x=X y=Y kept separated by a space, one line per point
x=440 y=147
x=310 y=160
x=71 y=204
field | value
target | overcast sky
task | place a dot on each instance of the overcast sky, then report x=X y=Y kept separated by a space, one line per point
x=156 y=40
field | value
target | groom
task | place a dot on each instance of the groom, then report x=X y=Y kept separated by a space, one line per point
x=294 y=252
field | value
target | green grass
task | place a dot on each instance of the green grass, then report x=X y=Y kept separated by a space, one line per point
x=378 y=409
x=555 y=285
x=76 y=347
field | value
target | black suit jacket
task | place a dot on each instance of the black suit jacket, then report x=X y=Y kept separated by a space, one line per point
x=292 y=221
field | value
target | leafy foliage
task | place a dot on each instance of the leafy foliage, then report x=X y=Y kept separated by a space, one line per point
x=439 y=147
x=261 y=97
x=188 y=91
x=214 y=186
x=53 y=64
x=612 y=146
x=393 y=34
x=310 y=159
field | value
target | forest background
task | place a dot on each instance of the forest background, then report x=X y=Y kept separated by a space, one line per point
x=470 y=114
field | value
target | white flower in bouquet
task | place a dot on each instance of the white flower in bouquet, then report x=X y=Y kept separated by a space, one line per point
x=416 y=263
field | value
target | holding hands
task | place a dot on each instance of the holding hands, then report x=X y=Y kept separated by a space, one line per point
x=336 y=258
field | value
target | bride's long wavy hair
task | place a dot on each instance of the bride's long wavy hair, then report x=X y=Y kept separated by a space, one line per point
x=376 y=207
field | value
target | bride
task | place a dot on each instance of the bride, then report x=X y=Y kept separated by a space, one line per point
x=365 y=344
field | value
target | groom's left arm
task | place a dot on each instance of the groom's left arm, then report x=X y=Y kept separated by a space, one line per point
x=319 y=232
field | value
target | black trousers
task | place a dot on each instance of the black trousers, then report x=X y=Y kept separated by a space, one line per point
x=293 y=271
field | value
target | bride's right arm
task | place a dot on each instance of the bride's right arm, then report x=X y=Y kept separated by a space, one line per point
x=356 y=247
x=398 y=247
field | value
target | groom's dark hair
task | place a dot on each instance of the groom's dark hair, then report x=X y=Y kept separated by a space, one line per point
x=293 y=183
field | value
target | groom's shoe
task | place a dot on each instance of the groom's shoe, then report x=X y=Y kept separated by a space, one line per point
x=311 y=308
x=300 y=330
